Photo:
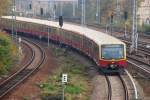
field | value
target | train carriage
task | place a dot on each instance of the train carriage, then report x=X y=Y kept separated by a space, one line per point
x=108 y=52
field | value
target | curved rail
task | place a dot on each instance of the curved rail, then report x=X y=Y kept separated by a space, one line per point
x=27 y=64
x=125 y=88
x=135 y=89
x=21 y=75
x=109 y=88
x=126 y=95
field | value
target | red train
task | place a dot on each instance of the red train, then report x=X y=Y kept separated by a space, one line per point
x=108 y=52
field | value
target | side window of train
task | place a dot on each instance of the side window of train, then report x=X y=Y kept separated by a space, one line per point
x=45 y=30
x=17 y=25
x=28 y=24
x=24 y=25
x=1 y=21
x=40 y=28
x=54 y=30
x=6 y=23
x=35 y=27
x=90 y=43
x=70 y=35
x=97 y=49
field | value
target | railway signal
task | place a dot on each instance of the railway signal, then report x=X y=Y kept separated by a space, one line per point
x=125 y=18
x=111 y=18
x=125 y=15
x=60 y=21
x=64 y=80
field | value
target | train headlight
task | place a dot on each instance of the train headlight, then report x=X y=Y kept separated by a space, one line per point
x=147 y=46
x=112 y=66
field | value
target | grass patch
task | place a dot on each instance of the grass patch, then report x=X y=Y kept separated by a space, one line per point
x=78 y=86
x=73 y=89
x=25 y=98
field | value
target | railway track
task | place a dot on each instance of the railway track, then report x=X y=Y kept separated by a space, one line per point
x=140 y=60
x=141 y=46
x=113 y=92
x=141 y=66
x=37 y=59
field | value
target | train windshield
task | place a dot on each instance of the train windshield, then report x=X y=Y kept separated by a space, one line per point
x=110 y=52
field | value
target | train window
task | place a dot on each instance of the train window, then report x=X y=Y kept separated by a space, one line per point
x=110 y=52
x=96 y=50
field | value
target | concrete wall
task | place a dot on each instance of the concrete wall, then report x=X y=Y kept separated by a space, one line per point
x=23 y=7
x=144 y=12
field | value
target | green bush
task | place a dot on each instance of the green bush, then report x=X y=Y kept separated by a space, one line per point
x=7 y=52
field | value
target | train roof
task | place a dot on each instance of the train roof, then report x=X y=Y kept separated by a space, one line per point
x=97 y=36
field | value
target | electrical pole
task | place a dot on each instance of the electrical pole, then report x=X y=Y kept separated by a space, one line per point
x=117 y=10
x=133 y=47
x=49 y=9
x=83 y=13
x=54 y=10
x=12 y=26
x=73 y=8
x=48 y=36
x=98 y=11
x=14 y=18
x=125 y=19
x=61 y=8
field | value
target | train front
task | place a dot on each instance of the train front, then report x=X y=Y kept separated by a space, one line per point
x=113 y=57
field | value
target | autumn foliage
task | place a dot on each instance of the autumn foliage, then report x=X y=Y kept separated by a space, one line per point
x=4 y=5
x=7 y=53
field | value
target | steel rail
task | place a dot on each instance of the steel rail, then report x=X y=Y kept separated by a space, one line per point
x=109 y=88
x=125 y=88
x=138 y=66
x=134 y=85
x=28 y=63
x=24 y=74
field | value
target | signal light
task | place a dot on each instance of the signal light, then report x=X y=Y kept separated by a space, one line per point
x=60 y=21
x=125 y=15
x=111 y=18
x=64 y=78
